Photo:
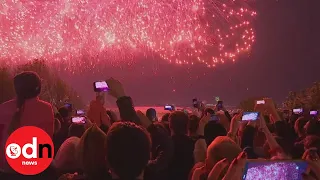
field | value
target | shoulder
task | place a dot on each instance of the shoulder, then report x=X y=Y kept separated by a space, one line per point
x=71 y=141
x=44 y=104
x=8 y=103
x=7 y=107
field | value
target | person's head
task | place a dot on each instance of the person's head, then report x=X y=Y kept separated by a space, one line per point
x=312 y=128
x=76 y=130
x=178 y=123
x=222 y=147
x=57 y=126
x=91 y=154
x=64 y=112
x=27 y=85
x=299 y=126
x=193 y=124
x=213 y=130
x=151 y=114
x=282 y=129
x=128 y=149
x=286 y=114
x=165 y=117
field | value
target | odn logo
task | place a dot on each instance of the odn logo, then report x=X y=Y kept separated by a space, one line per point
x=29 y=150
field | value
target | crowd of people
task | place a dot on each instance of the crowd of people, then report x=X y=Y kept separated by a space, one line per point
x=138 y=146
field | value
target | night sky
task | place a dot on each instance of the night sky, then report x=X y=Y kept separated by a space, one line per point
x=285 y=57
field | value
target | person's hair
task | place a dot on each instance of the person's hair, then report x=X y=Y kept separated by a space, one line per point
x=57 y=125
x=58 y=116
x=222 y=147
x=312 y=128
x=91 y=152
x=213 y=130
x=193 y=123
x=64 y=112
x=299 y=125
x=165 y=117
x=178 y=123
x=282 y=130
x=27 y=85
x=286 y=145
x=76 y=130
x=165 y=122
x=151 y=114
x=128 y=149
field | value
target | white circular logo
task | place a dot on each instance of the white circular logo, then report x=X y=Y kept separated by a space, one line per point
x=13 y=151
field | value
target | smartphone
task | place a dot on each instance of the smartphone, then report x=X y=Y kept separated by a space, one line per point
x=100 y=86
x=261 y=102
x=219 y=105
x=78 y=120
x=168 y=108
x=313 y=113
x=195 y=103
x=297 y=111
x=274 y=169
x=214 y=118
x=80 y=112
x=68 y=105
x=250 y=116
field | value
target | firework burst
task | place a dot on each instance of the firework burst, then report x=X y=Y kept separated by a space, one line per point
x=179 y=31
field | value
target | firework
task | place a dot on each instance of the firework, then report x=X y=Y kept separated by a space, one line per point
x=179 y=31
x=276 y=171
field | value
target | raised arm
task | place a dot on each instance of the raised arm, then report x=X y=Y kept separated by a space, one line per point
x=125 y=105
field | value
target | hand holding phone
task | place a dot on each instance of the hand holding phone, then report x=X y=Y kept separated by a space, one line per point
x=195 y=103
x=100 y=86
x=261 y=102
x=115 y=88
x=274 y=169
x=80 y=112
x=297 y=111
x=219 y=105
x=79 y=120
x=169 y=108
x=250 y=116
x=313 y=113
